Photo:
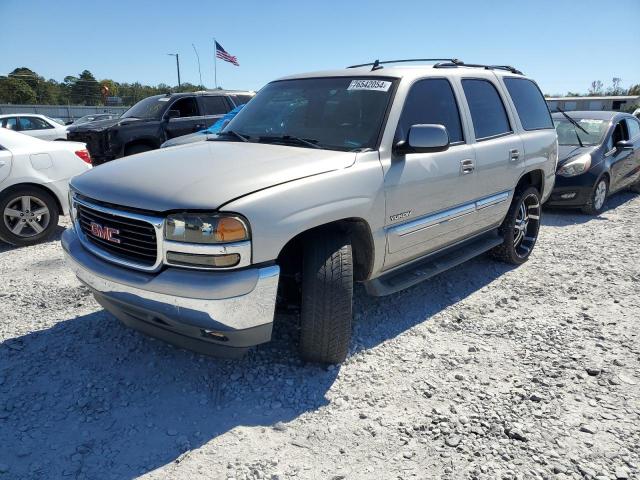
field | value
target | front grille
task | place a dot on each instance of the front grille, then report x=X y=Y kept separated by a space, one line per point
x=138 y=242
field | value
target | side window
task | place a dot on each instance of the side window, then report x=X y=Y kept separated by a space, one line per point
x=487 y=110
x=633 y=126
x=10 y=123
x=214 y=105
x=619 y=133
x=530 y=104
x=431 y=101
x=241 y=99
x=33 y=123
x=186 y=106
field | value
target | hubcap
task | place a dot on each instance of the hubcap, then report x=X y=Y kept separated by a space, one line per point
x=527 y=225
x=26 y=216
x=600 y=195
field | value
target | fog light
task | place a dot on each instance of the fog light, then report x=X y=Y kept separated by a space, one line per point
x=203 y=261
x=568 y=196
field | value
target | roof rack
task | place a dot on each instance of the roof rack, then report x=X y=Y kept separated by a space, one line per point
x=378 y=64
x=477 y=65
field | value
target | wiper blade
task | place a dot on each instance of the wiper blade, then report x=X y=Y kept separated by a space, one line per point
x=244 y=138
x=309 y=142
x=575 y=124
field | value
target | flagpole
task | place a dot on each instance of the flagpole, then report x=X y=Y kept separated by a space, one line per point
x=215 y=62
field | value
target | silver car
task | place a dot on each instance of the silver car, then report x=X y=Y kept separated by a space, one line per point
x=385 y=176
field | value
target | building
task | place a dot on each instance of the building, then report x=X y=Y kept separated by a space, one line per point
x=620 y=102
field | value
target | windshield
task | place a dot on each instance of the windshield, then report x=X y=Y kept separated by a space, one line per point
x=340 y=113
x=596 y=129
x=149 y=108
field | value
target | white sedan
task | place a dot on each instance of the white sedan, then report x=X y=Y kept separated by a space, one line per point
x=34 y=185
x=34 y=125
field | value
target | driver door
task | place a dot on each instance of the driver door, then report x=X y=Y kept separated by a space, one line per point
x=621 y=161
x=429 y=196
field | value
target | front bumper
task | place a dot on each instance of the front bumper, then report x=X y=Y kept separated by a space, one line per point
x=215 y=313
x=572 y=191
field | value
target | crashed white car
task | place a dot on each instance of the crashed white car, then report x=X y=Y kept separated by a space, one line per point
x=34 y=184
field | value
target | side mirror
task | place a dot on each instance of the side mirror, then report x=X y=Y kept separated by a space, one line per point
x=172 y=114
x=423 y=139
x=624 y=145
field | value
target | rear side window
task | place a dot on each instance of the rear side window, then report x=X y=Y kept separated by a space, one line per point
x=634 y=128
x=487 y=110
x=530 y=104
x=431 y=102
x=215 y=105
x=187 y=107
x=241 y=99
x=9 y=123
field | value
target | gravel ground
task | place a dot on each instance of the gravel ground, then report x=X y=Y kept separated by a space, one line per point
x=485 y=372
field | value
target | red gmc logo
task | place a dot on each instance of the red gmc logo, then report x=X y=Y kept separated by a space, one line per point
x=105 y=233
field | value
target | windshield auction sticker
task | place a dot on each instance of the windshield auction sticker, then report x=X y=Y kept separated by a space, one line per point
x=379 y=85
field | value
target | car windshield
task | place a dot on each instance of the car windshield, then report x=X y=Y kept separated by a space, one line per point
x=568 y=134
x=149 y=108
x=337 y=113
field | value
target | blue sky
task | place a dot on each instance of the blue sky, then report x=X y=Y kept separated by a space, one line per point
x=563 y=44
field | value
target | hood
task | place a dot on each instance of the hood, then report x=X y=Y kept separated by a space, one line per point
x=200 y=136
x=100 y=125
x=565 y=152
x=203 y=175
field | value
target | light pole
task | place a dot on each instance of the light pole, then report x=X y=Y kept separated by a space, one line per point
x=198 y=57
x=177 y=65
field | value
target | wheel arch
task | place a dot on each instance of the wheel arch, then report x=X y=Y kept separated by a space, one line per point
x=532 y=178
x=146 y=141
x=359 y=232
x=37 y=186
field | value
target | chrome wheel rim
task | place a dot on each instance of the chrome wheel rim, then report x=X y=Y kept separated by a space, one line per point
x=526 y=225
x=26 y=216
x=601 y=195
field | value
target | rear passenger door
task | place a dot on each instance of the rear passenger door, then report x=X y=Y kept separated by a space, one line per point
x=429 y=196
x=214 y=108
x=498 y=149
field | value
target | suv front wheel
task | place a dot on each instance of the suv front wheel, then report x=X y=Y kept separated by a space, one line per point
x=327 y=298
x=520 y=228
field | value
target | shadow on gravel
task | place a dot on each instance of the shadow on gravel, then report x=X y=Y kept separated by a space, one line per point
x=55 y=237
x=89 y=398
x=561 y=217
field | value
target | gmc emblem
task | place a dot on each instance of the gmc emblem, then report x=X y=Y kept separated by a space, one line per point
x=105 y=233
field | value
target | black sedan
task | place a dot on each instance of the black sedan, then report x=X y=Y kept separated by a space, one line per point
x=599 y=154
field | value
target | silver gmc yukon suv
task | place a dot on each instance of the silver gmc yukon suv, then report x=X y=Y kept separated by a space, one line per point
x=385 y=175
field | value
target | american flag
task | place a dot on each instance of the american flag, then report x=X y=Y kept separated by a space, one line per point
x=222 y=54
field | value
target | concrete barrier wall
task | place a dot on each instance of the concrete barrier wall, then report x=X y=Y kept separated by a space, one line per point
x=63 y=112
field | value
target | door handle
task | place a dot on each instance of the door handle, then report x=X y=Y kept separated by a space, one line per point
x=467 y=167
x=199 y=125
x=514 y=154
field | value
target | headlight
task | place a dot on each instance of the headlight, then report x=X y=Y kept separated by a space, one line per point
x=205 y=228
x=206 y=241
x=576 y=166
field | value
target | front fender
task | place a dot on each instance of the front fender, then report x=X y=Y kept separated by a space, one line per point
x=279 y=213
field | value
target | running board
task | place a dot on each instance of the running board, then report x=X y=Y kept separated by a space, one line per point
x=425 y=268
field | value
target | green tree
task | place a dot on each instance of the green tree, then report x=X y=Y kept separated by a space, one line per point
x=15 y=90
x=85 y=90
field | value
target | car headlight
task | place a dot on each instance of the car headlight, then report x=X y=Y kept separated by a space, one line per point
x=576 y=166
x=205 y=240
x=205 y=228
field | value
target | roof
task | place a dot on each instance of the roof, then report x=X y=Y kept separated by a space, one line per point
x=596 y=115
x=402 y=71
x=616 y=97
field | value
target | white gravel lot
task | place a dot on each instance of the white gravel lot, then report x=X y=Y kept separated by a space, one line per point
x=485 y=372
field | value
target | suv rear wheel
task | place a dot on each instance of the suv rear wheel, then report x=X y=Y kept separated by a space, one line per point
x=327 y=298
x=29 y=215
x=520 y=228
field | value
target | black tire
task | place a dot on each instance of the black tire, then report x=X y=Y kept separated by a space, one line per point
x=594 y=207
x=327 y=298
x=520 y=233
x=28 y=234
x=138 y=148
